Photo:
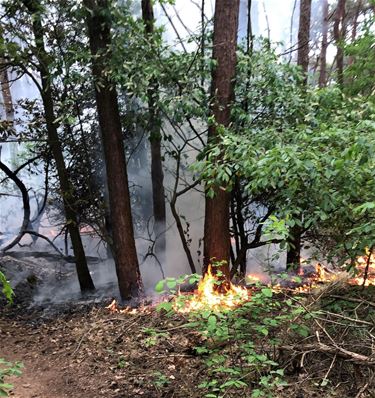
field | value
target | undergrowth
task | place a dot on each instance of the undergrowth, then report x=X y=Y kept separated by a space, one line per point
x=240 y=346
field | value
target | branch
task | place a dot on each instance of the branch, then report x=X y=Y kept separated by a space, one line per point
x=26 y=205
x=28 y=162
x=336 y=350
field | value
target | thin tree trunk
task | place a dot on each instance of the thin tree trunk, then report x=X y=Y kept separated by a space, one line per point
x=154 y=124
x=249 y=30
x=126 y=260
x=6 y=93
x=339 y=34
x=293 y=261
x=355 y=27
x=216 y=225
x=323 y=51
x=173 y=202
x=84 y=276
x=304 y=37
x=203 y=46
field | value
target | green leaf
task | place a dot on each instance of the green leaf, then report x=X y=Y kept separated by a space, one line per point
x=256 y=393
x=267 y=292
x=6 y=386
x=171 y=283
x=324 y=382
x=159 y=287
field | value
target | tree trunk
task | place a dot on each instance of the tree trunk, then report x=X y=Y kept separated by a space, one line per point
x=339 y=35
x=295 y=240
x=6 y=93
x=126 y=260
x=304 y=36
x=355 y=27
x=216 y=225
x=323 y=51
x=83 y=273
x=154 y=126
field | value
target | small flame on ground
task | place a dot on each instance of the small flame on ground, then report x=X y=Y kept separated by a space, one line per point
x=113 y=307
x=206 y=296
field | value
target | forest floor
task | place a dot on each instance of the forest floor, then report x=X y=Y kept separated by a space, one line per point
x=87 y=351
x=95 y=353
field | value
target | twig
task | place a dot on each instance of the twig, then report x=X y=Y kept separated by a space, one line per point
x=349 y=319
x=365 y=387
x=355 y=300
x=342 y=352
x=81 y=339
x=330 y=368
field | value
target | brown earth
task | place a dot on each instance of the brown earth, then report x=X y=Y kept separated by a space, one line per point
x=99 y=354
x=89 y=352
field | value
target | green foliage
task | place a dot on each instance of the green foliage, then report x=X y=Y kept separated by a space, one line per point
x=153 y=336
x=8 y=369
x=6 y=288
x=307 y=155
x=242 y=329
x=250 y=331
x=172 y=284
x=160 y=379
x=359 y=74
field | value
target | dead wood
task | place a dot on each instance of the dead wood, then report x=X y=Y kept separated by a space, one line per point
x=335 y=350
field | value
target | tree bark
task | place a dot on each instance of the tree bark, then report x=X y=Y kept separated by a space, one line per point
x=355 y=27
x=154 y=126
x=295 y=240
x=6 y=93
x=339 y=35
x=84 y=277
x=126 y=260
x=216 y=225
x=323 y=51
x=304 y=36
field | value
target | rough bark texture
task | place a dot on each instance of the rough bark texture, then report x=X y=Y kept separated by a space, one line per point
x=295 y=239
x=126 y=260
x=6 y=93
x=323 y=51
x=339 y=35
x=216 y=226
x=293 y=257
x=84 y=276
x=304 y=36
x=154 y=125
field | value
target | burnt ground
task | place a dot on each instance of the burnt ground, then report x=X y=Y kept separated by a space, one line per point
x=81 y=349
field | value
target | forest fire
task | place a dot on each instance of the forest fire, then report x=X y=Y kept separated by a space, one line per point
x=365 y=266
x=206 y=296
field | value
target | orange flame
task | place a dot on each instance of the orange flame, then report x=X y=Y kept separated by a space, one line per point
x=113 y=307
x=207 y=296
x=362 y=263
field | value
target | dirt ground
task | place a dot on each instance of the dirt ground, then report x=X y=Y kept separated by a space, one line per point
x=85 y=351
x=99 y=354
